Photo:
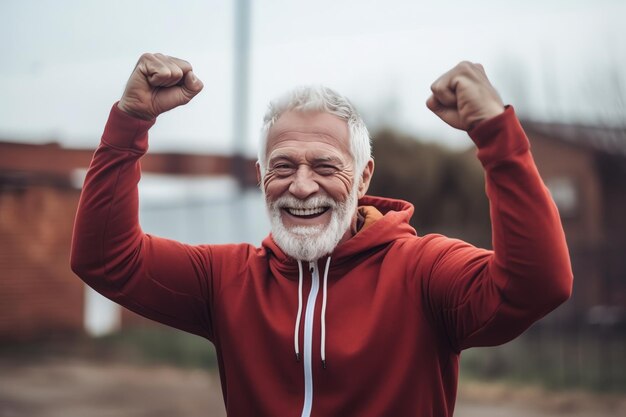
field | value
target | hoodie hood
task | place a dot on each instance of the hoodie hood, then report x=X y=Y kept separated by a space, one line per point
x=378 y=231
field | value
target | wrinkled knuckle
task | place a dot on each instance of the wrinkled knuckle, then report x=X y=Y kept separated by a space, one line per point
x=186 y=95
x=465 y=65
x=163 y=73
x=436 y=88
x=146 y=56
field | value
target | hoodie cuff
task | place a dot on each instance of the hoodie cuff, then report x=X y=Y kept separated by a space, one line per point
x=499 y=137
x=125 y=131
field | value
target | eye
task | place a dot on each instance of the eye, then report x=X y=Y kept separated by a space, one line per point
x=325 y=169
x=283 y=169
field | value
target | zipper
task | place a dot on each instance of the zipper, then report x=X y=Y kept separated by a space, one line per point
x=308 y=340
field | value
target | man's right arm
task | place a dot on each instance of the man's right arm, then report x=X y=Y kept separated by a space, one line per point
x=161 y=279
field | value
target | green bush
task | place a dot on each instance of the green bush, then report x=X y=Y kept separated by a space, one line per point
x=161 y=345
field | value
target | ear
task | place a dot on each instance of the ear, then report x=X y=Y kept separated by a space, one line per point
x=258 y=173
x=366 y=176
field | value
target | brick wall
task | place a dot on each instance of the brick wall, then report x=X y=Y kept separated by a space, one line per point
x=40 y=295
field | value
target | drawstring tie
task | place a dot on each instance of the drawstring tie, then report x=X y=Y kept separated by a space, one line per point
x=296 y=343
x=323 y=318
x=296 y=333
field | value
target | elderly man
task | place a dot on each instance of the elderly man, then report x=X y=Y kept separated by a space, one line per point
x=344 y=310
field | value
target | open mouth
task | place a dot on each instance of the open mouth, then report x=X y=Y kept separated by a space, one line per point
x=308 y=213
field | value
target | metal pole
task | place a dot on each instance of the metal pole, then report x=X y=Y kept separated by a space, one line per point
x=240 y=111
x=241 y=75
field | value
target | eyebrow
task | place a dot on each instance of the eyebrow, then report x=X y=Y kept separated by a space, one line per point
x=332 y=159
x=317 y=159
x=279 y=157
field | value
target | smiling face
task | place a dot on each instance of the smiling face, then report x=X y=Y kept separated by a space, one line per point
x=309 y=183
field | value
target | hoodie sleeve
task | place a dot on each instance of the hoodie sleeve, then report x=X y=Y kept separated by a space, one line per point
x=489 y=297
x=158 y=278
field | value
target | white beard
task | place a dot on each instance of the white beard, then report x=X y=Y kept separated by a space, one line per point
x=309 y=243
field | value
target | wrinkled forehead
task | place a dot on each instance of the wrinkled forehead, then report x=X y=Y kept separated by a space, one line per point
x=309 y=126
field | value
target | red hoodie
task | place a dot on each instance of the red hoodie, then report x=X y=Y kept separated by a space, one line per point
x=398 y=309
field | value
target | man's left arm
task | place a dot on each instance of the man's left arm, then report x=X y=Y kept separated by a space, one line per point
x=482 y=297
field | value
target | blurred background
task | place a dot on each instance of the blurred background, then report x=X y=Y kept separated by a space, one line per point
x=562 y=64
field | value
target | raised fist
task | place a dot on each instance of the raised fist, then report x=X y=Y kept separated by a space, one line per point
x=464 y=97
x=158 y=84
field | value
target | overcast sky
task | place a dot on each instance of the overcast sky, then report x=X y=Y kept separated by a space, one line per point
x=64 y=62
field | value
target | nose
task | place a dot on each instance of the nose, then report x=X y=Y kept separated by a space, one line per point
x=303 y=184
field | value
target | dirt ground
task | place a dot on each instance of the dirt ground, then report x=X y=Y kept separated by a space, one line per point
x=87 y=388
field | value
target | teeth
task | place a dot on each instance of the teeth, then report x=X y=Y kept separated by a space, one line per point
x=306 y=212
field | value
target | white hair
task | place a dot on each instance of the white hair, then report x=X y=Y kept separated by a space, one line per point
x=319 y=98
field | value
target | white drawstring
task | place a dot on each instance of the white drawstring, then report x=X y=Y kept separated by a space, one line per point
x=296 y=332
x=323 y=318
